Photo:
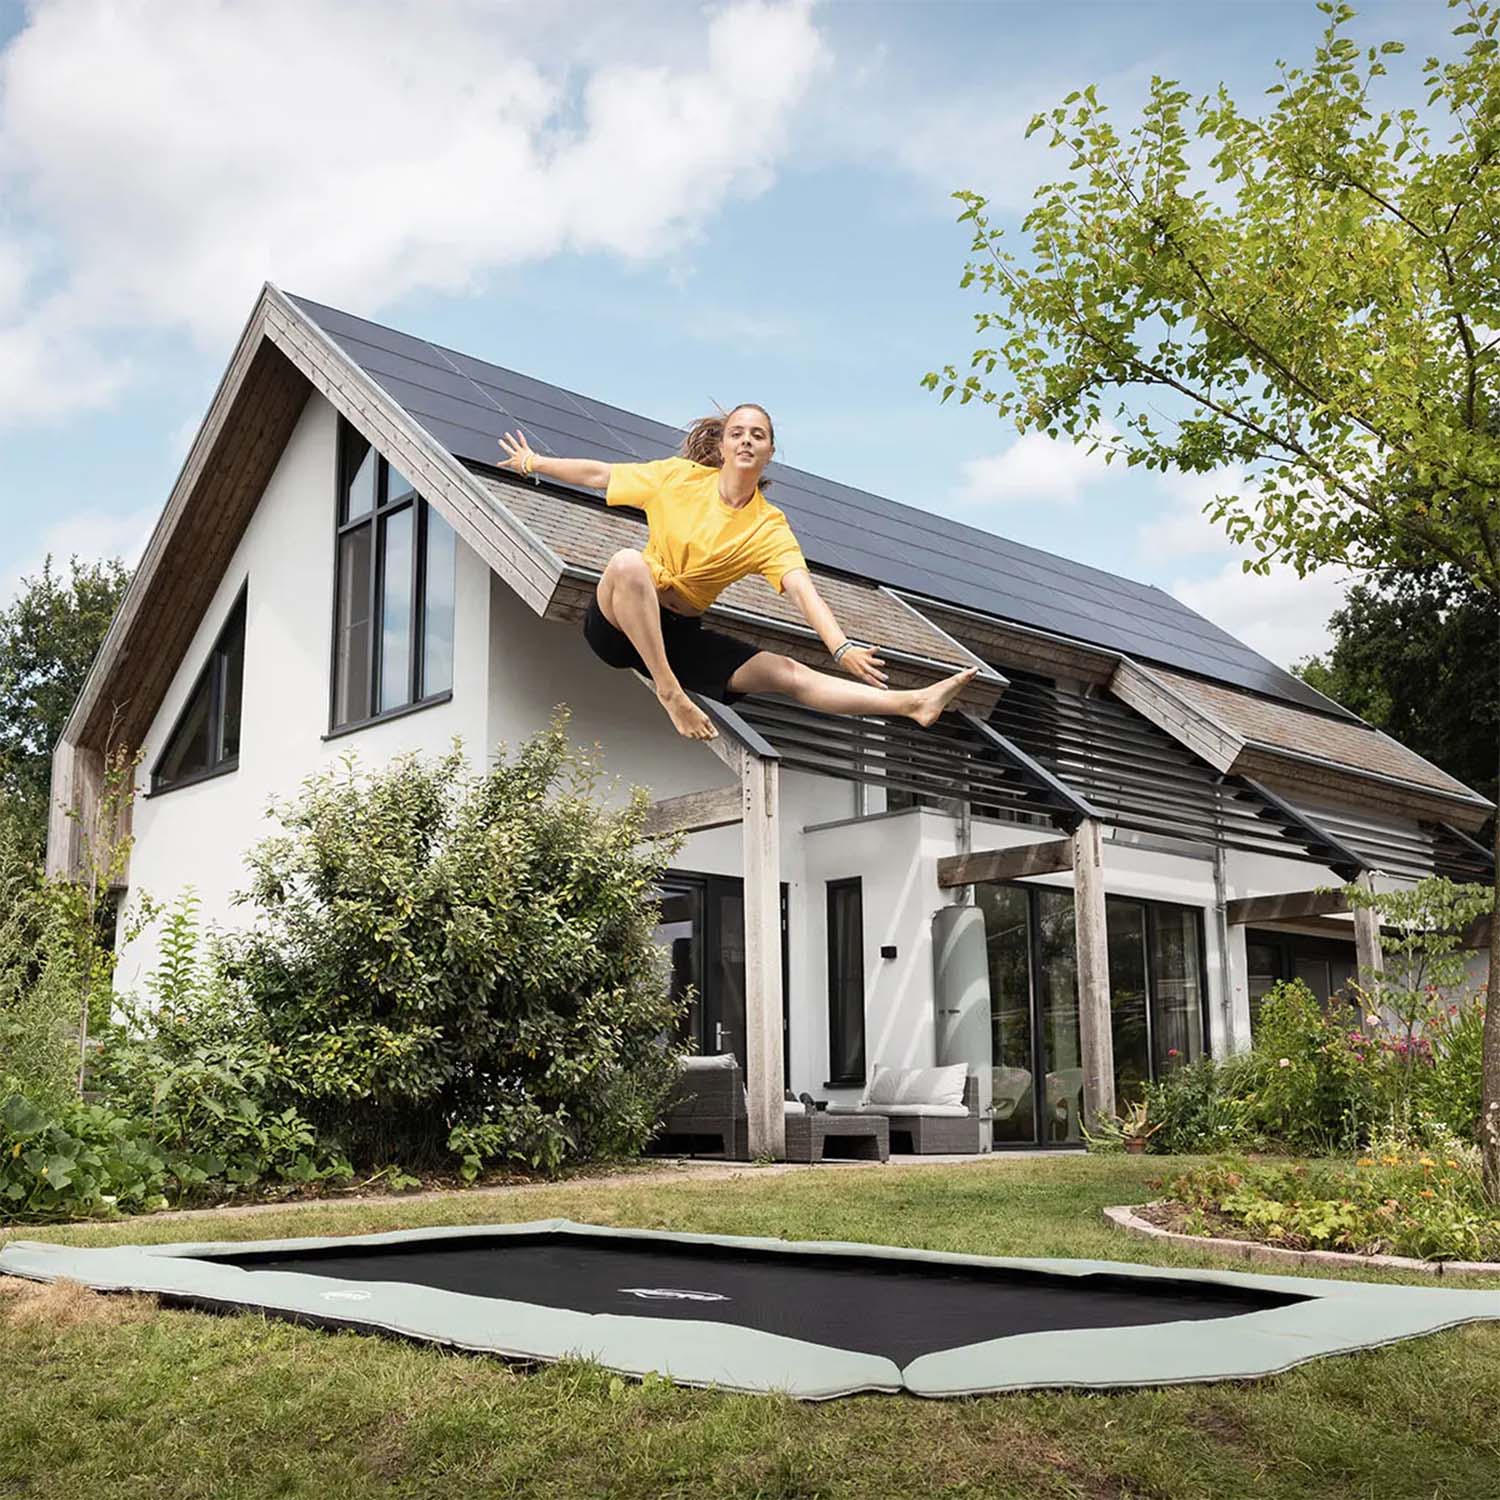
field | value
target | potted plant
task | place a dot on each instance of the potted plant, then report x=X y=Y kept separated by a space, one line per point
x=1136 y=1127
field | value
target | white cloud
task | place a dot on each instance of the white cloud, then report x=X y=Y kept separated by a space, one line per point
x=1034 y=468
x=177 y=156
x=1181 y=529
x=1281 y=616
x=89 y=535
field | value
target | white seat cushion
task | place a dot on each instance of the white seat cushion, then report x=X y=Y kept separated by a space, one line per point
x=927 y=1111
x=793 y=1107
x=890 y=1087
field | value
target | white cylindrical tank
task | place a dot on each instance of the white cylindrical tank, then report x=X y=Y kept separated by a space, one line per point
x=961 y=993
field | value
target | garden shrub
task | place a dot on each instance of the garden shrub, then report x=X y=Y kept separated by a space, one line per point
x=196 y=1071
x=1396 y=1200
x=1314 y=1093
x=454 y=964
x=1448 y=1089
x=74 y=1160
x=1204 y=1106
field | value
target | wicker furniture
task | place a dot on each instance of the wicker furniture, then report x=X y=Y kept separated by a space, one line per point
x=921 y=1134
x=925 y=1129
x=707 y=1107
x=867 y=1137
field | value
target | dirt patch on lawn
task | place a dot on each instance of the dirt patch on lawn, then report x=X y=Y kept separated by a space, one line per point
x=67 y=1304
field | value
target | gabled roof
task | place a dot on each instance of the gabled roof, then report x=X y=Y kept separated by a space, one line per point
x=466 y=403
x=546 y=545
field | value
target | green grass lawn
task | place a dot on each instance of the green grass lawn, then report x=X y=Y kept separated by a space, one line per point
x=114 y=1398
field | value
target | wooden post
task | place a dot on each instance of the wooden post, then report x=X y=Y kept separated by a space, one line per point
x=764 y=1061
x=1095 y=1040
x=1367 y=954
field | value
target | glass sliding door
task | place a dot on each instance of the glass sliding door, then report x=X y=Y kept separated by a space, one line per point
x=1156 y=1004
x=1057 y=1007
x=1007 y=936
x=1128 y=1007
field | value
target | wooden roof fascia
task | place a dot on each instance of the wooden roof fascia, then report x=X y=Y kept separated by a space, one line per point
x=1349 y=786
x=525 y=562
x=77 y=729
x=1021 y=645
x=1187 y=723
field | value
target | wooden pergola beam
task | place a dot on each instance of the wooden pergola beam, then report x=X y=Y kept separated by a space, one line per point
x=1048 y=857
x=1290 y=904
x=694 y=812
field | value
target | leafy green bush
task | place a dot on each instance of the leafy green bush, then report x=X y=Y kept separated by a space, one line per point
x=450 y=963
x=74 y=1160
x=1448 y=1088
x=38 y=997
x=1314 y=1089
x=1204 y=1106
x=197 y=1072
x=1394 y=1201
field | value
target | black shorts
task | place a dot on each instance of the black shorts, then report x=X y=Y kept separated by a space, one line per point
x=704 y=660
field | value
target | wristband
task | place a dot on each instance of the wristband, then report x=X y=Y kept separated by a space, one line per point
x=848 y=645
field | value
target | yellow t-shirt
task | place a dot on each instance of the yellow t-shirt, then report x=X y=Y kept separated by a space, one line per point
x=697 y=544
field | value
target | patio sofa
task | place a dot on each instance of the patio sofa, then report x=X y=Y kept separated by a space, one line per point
x=928 y=1109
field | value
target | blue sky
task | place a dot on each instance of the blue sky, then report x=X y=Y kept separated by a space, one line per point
x=661 y=205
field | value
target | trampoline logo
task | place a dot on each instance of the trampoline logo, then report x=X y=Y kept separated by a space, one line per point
x=671 y=1294
x=346 y=1296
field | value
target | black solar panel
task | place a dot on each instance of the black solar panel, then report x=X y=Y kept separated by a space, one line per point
x=466 y=404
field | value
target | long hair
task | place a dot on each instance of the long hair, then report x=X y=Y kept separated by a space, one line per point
x=704 y=441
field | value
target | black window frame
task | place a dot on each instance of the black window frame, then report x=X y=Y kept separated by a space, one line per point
x=215 y=672
x=382 y=508
x=835 y=890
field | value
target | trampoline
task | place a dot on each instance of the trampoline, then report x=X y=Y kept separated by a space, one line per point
x=814 y=1320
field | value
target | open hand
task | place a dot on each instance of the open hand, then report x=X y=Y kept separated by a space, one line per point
x=518 y=454
x=864 y=663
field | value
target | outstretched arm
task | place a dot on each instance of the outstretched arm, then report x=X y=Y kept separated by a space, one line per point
x=858 y=661
x=588 y=472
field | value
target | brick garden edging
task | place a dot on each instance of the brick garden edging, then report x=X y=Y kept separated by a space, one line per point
x=1126 y=1218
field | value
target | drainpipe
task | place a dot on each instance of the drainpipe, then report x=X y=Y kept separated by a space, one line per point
x=963 y=839
x=1223 y=1044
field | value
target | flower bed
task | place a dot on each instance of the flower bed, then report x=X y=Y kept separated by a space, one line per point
x=1393 y=1201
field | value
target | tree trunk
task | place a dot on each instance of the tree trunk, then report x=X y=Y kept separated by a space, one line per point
x=1489 y=1111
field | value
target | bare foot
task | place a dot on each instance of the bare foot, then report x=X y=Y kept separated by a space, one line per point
x=931 y=701
x=689 y=719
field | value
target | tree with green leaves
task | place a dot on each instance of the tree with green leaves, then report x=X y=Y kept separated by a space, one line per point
x=1413 y=654
x=49 y=635
x=1317 y=308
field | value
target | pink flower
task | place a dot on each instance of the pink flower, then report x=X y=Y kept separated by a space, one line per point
x=1173 y=1052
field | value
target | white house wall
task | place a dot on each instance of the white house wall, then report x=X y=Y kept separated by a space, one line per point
x=510 y=670
x=197 y=835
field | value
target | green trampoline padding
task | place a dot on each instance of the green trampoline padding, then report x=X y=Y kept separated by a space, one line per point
x=813 y=1320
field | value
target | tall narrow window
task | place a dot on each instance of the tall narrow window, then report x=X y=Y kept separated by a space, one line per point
x=846 y=983
x=205 y=740
x=393 y=622
x=1176 y=987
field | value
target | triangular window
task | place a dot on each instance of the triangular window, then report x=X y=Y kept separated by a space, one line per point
x=205 y=741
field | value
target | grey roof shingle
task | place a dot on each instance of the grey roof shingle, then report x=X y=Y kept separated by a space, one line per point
x=466 y=403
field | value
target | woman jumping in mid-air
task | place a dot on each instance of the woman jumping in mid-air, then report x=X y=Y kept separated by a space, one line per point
x=709 y=526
